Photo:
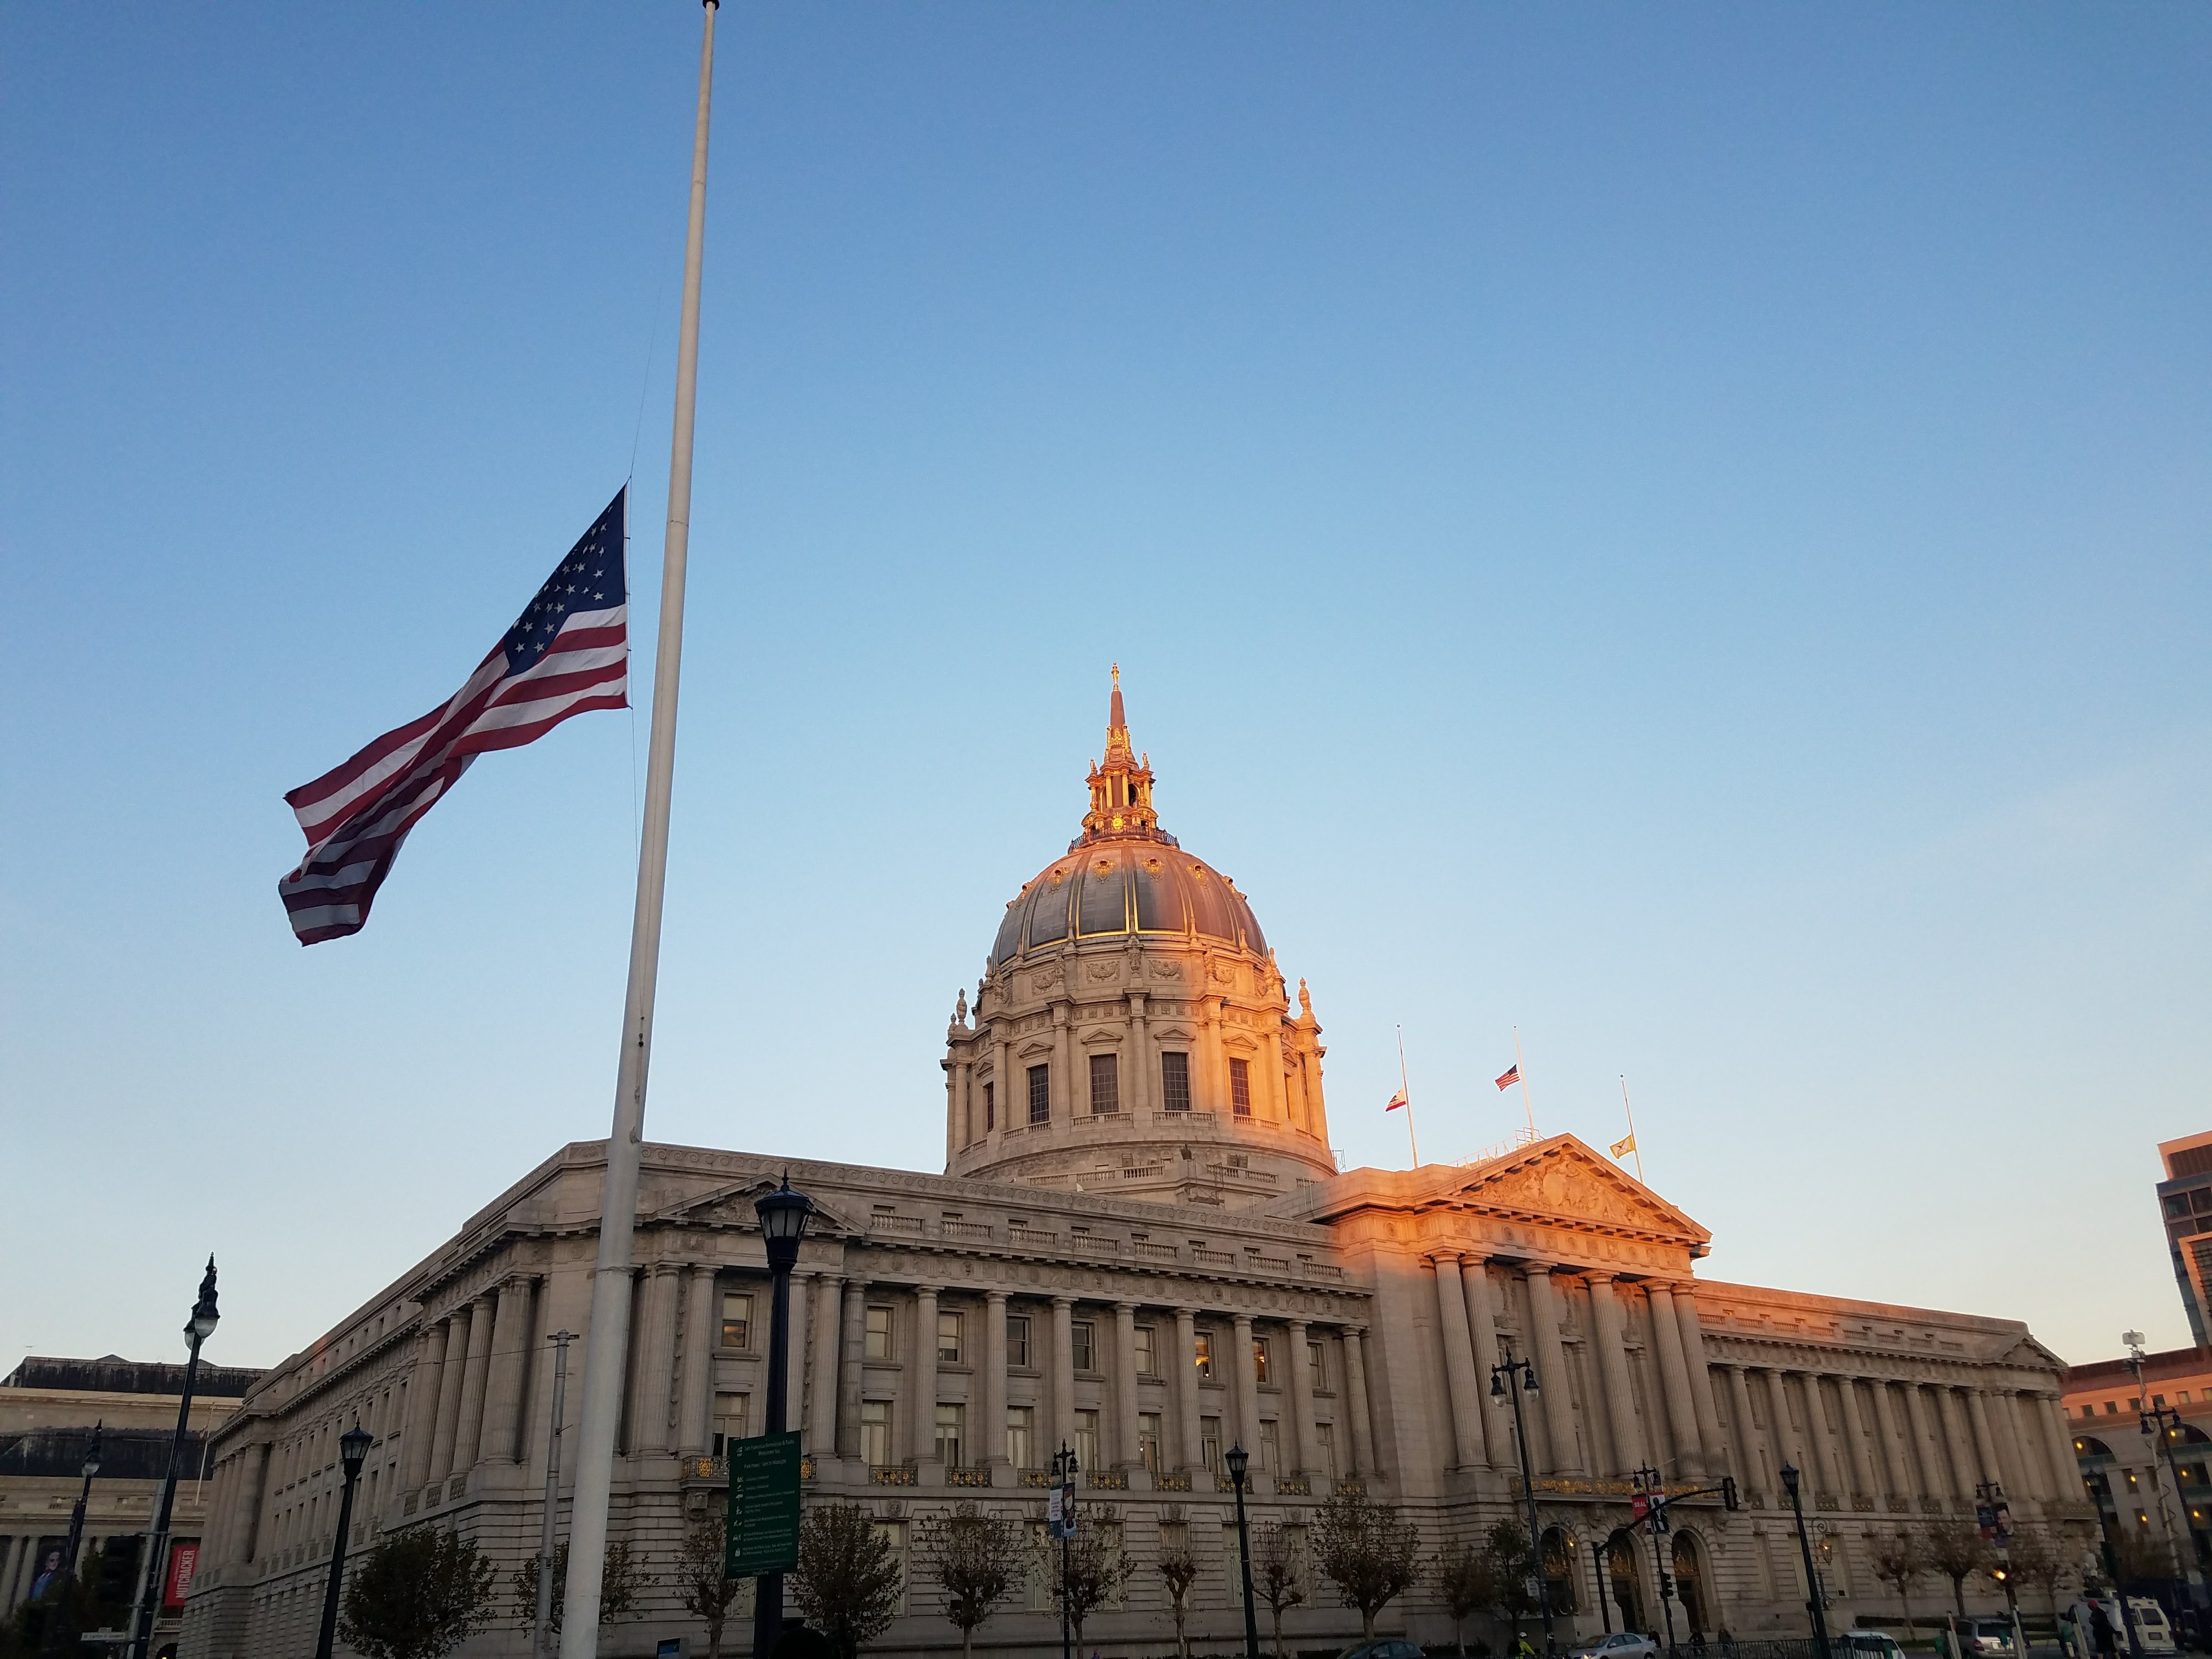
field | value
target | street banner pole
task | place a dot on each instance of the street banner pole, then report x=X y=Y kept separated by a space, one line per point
x=606 y=1341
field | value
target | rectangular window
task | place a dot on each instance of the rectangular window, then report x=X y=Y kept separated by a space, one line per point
x=1240 y=1088
x=1271 y=1444
x=729 y=1421
x=1105 y=1085
x=877 y=1345
x=948 y=1339
x=1175 y=1082
x=1325 y=1451
x=951 y=1425
x=1080 y=1335
x=876 y=1432
x=1041 y=1094
x=1203 y=1346
x=1259 y=1356
x=1148 y=1362
x=1018 y=1340
x=737 y=1321
x=1020 y=1422
x=1087 y=1440
x=990 y=1106
x=1209 y=1444
x=1148 y=1441
x=1317 y=1371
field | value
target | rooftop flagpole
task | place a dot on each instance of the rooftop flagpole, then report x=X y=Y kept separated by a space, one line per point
x=1406 y=1091
x=606 y=1341
x=1520 y=1070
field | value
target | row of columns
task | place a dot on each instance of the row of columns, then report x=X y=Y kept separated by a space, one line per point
x=1687 y=1436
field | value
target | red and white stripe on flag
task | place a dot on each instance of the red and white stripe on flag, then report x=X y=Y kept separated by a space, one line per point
x=567 y=653
x=1510 y=1076
x=1396 y=1101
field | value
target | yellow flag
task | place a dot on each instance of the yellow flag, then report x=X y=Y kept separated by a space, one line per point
x=1622 y=1148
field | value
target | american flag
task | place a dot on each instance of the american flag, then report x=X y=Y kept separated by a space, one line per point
x=1509 y=1076
x=568 y=652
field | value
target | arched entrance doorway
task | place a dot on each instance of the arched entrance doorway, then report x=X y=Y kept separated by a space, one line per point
x=1624 y=1572
x=1559 y=1553
x=1692 y=1584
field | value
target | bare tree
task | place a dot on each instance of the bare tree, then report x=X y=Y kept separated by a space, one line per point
x=1277 y=1576
x=1505 y=1548
x=848 y=1579
x=1092 y=1572
x=1900 y=1562
x=1371 y=1553
x=1465 y=1585
x=621 y=1581
x=701 y=1587
x=1955 y=1547
x=1178 y=1570
x=974 y=1558
x=2038 y=1558
x=2140 y=1554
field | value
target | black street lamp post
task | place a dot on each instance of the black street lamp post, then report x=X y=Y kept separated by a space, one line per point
x=91 y=1467
x=1813 y=1597
x=353 y=1452
x=198 y=1329
x=1239 y=1461
x=783 y=1215
x=1654 y=1488
x=1064 y=1470
x=1501 y=1390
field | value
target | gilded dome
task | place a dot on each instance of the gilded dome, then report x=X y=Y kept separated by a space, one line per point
x=1140 y=884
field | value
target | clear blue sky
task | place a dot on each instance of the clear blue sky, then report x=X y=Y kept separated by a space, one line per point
x=1685 y=529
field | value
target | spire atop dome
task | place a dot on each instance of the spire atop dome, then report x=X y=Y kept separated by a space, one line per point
x=1121 y=788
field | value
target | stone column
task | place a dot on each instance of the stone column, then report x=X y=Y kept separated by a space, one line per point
x=968 y=1126
x=922 y=1418
x=252 y=1495
x=1463 y=1396
x=1554 y=1388
x=1187 y=1387
x=1612 y=1374
x=853 y=1347
x=1987 y=1448
x=1955 y=1445
x=1747 y=1428
x=1127 y=1453
x=1247 y=1379
x=423 y=1406
x=510 y=1343
x=2058 y=1443
x=1861 y=1461
x=1825 y=1473
x=1063 y=1372
x=992 y=1432
x=1002 y=1081
x=1779 y=1435
x=794 y=1386
x=656 y=1363
x=1138 y=1085
x=1355 y=1401
x=1674 y=1380
x=955 y=1129
x=1299 y=1454
x=1927 y=1447
x=1064 y=1092
x=1482 y=1333
x=822 y=1412
x=1701 y=1376
x=449 y=1392
x=703 y=1334
x=468 y=1427
x=1893 y=1460
x=2018 y=1448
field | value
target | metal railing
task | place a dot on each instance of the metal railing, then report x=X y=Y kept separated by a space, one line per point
x=975 y=1477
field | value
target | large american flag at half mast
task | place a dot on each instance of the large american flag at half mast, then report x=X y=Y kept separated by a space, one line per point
x=568 y=652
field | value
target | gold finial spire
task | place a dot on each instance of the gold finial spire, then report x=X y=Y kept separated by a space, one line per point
x=1121 y=788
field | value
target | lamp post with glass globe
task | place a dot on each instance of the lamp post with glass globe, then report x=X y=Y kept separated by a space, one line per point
x=1812 y=1597
x=91 y=1467
x=783 y=1215
x=353 y=1452
x=1501 y=1390
x=1239 y=1461
x=198 y=1329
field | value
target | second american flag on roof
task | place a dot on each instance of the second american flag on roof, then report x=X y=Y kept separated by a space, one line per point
x=566 y=652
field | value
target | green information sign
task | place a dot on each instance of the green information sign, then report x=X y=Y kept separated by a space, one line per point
x=763 y=1530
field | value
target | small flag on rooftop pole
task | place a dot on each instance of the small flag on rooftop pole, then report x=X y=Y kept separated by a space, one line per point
x=1396 y=1101
x=1623 y=1148
x=568 y=652
x=1510 y=1076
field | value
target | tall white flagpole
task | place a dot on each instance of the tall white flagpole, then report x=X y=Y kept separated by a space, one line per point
x=1520 y=1070
x=1406 y=1089
x=607 y=1341
x=1634 y=1145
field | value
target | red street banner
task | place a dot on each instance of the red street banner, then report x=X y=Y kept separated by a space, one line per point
x=1639 y=1506
x=183 y=1559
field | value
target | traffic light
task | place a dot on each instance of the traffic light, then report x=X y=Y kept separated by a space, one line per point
x=1729 y=1498
x=118 y=1569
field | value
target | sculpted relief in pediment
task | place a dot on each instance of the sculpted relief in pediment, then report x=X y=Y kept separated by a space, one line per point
x=1566 y=1188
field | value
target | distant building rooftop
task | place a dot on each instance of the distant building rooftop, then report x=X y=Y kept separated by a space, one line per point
x=112 y=1374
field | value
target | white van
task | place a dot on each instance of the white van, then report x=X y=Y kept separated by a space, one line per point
x=2148 y=1620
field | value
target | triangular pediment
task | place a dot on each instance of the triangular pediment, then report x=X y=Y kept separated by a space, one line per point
x=732 y=1207
x=1562 y=1180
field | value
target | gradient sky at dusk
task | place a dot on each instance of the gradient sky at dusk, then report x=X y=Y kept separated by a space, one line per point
x=1682 y=529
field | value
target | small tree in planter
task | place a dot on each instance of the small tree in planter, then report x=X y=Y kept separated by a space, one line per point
x=1956 y=1548
x=1369 y=1552
x=1094 y=1572
x=848 y=1579
x=1900 y=1562
x=621 y=1583
x=1466 y=1585
x=701 y=1588
x=419 y=1594
x=1505 y=1550
x=973 y=1557
x=1278 y=1577
x=1178 y=1570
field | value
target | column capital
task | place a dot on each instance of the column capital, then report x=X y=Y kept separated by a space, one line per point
x=932 y=1291
x=1126 y=1307
x=1297 y=1324
x=1241 y=1319
x=1532 y=1269
x=1355 y=1331
x=1063 y=1301
x=1438 y=1258
x=995 y=1298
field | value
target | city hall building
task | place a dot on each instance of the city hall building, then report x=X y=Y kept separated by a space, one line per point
x=1141 y=1246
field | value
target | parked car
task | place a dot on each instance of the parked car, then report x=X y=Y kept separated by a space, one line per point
x=1622 y=1644
x=1390 y=1647
x=1870 y=1645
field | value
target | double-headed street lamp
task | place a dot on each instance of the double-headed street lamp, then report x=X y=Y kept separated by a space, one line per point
x=1502 y=1389
x=198 y=1329
x=1239 y=1461
x=1814 y=1598
x=68 y=1573
x=783 y=1214
x=1064 y=1471
x=353 y=1452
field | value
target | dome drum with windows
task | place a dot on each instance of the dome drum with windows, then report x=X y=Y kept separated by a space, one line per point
x=1132 y=1034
